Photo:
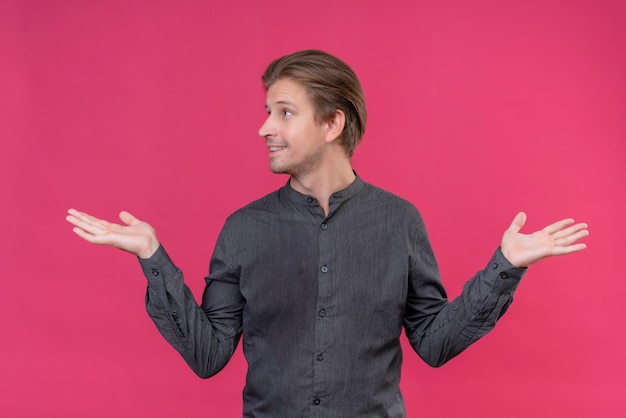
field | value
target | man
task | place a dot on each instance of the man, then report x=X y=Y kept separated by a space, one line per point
x=321 y=276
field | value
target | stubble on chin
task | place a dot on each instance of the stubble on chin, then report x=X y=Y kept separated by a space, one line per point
x=278 y=168
x=303 y=167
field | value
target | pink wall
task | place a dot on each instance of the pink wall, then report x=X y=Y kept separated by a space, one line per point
x=477 y=110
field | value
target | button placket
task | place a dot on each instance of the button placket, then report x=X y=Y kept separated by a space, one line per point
x=324 y=310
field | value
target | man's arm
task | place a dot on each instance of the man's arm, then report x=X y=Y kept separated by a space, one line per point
x=205 y=339
x=439 y=330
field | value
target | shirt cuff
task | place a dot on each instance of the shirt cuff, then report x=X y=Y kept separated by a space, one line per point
x=158 y=268
x=508 y=276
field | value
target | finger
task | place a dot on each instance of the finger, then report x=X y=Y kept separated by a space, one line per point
x=87 y=218
x=79 y=214
x=88 y=225
x=518 y=222
x=128 y=218
x=569 y=249
x=557 y=226
x=74 y=216
x=71 y=219
x=89 y=237
x=570 y=231
x=572 y=238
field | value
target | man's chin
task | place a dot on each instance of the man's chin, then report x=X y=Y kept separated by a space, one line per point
x=278 y=170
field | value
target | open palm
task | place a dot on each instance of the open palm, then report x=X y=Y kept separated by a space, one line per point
x=556 y=239
x=135 y=236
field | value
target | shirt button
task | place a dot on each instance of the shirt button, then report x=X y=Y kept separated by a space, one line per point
x=320 y=357
x=504 y=275
x=155 y=273
x=316 y=401
x=494 y=266
x=324 y=226
x=310 y=199
x=322 y=313
x=324 y=269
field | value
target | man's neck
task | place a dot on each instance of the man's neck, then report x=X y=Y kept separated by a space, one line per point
x=322 y=183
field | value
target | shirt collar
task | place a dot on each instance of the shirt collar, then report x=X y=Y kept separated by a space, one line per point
x=338 y=197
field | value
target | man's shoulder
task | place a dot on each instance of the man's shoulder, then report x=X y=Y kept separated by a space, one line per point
x=383 y=196
x=264 y=202
x=256 y=207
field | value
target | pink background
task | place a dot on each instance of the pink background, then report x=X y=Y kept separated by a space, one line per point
x=477 y=109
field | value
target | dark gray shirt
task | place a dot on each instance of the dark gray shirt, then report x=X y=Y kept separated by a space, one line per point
x=322 y=301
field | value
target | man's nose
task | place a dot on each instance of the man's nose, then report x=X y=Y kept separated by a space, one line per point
x=267 y=129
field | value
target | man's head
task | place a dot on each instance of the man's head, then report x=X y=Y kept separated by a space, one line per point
x=331 y=86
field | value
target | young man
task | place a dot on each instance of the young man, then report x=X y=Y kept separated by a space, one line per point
x=321 y=276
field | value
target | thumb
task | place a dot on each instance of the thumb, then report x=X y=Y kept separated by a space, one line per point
x=518 y=222
x=128 y=219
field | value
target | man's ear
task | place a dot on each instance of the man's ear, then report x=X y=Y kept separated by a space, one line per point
x=335 y=125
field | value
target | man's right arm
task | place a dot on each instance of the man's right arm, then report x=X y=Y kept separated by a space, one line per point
x=206 y=337
x=205 y=340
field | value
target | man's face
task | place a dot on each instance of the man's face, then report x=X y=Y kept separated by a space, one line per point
x=295 y=140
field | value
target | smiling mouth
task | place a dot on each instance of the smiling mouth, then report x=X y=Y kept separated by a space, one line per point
x=275 y=148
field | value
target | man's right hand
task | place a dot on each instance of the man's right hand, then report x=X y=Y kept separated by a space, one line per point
x=136 y=237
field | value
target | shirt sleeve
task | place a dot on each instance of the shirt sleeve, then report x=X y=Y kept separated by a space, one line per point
x=206 y=339
x=439 y=329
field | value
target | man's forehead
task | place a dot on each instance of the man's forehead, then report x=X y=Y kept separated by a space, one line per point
x=286 y=91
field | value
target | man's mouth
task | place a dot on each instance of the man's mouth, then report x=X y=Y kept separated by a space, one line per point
x=274 y=148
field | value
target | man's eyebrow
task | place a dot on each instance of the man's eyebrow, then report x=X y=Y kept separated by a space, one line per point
x=281 y=103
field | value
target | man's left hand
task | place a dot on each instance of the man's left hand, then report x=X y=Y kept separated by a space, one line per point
x=559 y=238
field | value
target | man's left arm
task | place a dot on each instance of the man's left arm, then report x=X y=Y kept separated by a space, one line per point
x=439 y=330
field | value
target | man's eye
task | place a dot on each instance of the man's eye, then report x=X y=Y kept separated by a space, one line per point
x=286 y=112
